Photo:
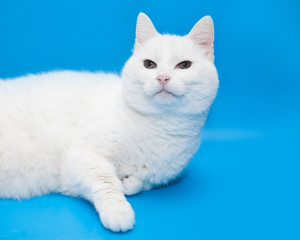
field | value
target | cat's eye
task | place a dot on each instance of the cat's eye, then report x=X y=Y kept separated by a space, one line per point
x=149 y=64
x=184 y=64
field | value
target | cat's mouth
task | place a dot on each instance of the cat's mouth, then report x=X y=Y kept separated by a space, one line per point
x=164 y=92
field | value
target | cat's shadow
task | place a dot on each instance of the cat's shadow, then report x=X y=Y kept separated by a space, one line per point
x=181 y=187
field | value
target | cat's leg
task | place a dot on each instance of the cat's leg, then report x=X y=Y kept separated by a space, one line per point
x=94 y=178
x=115 y=212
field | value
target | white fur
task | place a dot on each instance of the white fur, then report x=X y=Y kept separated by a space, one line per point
x=97 y=135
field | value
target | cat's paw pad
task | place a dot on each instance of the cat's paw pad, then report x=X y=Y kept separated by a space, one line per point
x=132 y=185
x=118 y=217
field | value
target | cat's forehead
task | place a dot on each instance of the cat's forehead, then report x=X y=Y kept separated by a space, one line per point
x=168 y=48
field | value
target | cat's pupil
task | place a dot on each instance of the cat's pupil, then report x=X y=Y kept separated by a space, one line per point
x=149 y=63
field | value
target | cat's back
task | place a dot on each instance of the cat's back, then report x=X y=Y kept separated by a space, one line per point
x=55 y=91
x=50 y=85
x=55 y=100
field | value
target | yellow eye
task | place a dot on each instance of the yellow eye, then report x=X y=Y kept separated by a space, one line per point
x=149 y=64
x=184 y=64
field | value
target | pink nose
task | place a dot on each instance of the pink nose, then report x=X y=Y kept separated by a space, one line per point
x=163 y=79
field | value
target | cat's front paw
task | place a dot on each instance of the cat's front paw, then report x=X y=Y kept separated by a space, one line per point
x=132 y=185
x=118 y=217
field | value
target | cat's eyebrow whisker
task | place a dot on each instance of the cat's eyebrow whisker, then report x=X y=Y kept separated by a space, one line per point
x=145 y=50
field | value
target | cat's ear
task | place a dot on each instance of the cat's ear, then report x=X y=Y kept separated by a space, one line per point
x=203 y=34
x=144 y=29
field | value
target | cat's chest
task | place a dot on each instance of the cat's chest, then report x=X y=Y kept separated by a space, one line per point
x=159 y=154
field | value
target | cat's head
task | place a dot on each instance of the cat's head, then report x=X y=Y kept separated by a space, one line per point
x=169 y=73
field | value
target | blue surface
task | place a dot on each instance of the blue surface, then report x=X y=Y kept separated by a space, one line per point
x=244 y=182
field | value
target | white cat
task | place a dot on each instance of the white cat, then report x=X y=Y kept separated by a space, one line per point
x=100 y=136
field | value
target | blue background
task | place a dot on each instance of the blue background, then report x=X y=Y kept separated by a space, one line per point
x=244 y=182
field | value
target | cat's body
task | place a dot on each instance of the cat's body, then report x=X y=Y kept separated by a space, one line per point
x=97 y=135
x=38 y=138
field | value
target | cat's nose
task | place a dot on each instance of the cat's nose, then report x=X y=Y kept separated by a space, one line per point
x=163 y=79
